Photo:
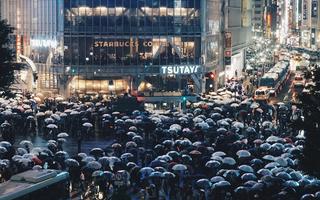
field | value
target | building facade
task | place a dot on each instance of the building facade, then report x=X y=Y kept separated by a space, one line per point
x=258 y=20
x=238 y=24
x=116 y=46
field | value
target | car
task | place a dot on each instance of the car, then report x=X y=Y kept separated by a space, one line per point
x=298 y=80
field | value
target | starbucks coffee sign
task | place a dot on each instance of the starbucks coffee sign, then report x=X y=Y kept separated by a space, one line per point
x=180 y=69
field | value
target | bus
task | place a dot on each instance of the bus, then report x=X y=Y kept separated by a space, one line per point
x=41 y=184
x=273 y=81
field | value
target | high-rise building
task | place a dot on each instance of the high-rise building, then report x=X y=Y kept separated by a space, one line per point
x=113 y=46
x=258 y=17
x=239 y=26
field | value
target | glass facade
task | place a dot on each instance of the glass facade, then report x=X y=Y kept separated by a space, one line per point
x=132 y=32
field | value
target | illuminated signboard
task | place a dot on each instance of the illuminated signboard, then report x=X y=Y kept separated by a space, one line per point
x=314 y=8
x=122 y=43
x=180 y=69
x=305 y=10
x=43 y=43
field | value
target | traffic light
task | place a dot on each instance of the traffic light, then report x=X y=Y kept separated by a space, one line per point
x=211 y=75
x=73 y=70
x=184 y=103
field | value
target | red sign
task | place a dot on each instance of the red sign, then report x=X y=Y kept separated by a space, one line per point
x=227 y=53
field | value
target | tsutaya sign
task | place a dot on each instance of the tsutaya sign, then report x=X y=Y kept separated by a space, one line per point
x=180 y=69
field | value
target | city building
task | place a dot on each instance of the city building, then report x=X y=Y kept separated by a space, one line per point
x=239 y=26
x=115 y=46
x=258 y=22
x=305 y=23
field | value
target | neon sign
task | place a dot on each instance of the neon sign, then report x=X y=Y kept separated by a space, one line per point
x=43 y=43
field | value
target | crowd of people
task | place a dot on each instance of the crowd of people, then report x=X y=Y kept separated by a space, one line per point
x=232 y=148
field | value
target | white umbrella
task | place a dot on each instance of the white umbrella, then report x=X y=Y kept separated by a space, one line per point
x=63 y=135
x=179 y=167
x=94 y=165
x=238 y=125
x=87 y=124
x=52 y=126
x=254 y=105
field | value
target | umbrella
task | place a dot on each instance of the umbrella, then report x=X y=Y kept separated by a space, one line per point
x=219 y=153
x=246 y=168
x=264 y=172
x=63 y=135
x=203 y=183
x=234 y=105
x=222 y=122
x=73 y=112
x=52 y=126
x=296 y=175
x=97 y=173
x=30 y=117
x=238 y=125
x=213 y=164
x=87 y=124
x=203 y=125
x=249 y=177
x=158 y=163
x=40 y=114
x=25 y=161
x=291 y=184
x=283 y=162
x=3 y=150
x=169 y=175
x=254 y=105
x=88 y=159
x=145 y=172
x=229 y=161
x=61 y=140
x=5 y=144
x=126 y=156
x=16 y=158
x=217 y=158
x=97 y=152
x=271 y=165
x=26 y=143
x=284 y=175
x=72 y=162
x=49 y=121
x=104 y=161
x=195 y=152
x=131 y=144
x=221 y=185
x=62 y=154
x=268 y=158
x=221 y=130
x=259 y=110
x=94 y=165
x=21 y=151
x=273 y=138
x=156 y=174
x=216 y=179
x=267 y=124
x=56 y=117
x=179 y=167
x=243 y=154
